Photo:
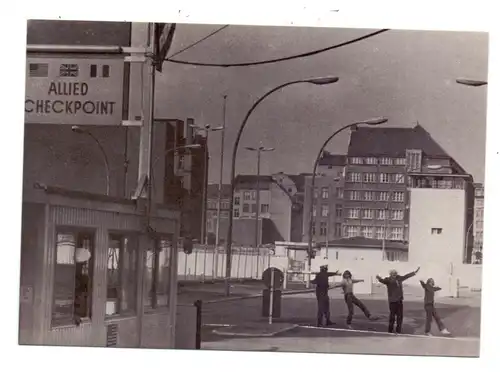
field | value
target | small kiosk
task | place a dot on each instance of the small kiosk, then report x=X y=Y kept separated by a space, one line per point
x=97 y=271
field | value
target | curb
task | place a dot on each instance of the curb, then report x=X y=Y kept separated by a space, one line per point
x=270 y=334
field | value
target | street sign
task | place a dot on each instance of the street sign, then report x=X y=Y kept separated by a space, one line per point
x=164 y=35
x=74 y=91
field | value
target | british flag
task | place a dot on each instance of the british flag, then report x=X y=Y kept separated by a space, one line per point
x=68 y=70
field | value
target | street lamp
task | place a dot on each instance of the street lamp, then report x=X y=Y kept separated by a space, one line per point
x=471 y=82
x=371 y=122
x=259 y=150
x=79 y=130
x=207 y=129
x=229 y=247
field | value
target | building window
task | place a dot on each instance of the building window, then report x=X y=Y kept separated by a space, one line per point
x=399 y=196
x=400 y=161
x=224 y=214
x=396 y=256
x=370 y=177
x=384 y=196
x=399 y=178
x=338 y=211
x=385 y=178
x=324 y=193
x=436 y=230
x=339 y=192
x=381 y=214
x=105 y=71
x=353 y=213
x=264 y=208
x=254 y=208
x=355 y=195
x=397 y=233
x=236 y=213
x=314 y=211
x=356 y=160
x=354 y=177
x=322 y=229
x=157 y=274
x=369 y=195
x=247 y=196
x=324 y=210
x=386 y=161
x=73 y=276
x=338 y=229
x=121 y=276
x=414 y=162
x=368 y=214
x=380 y=233
x=367 y=232
x=352 y=231
x=253 y=195
x=371 y=160
x=246 y=208
x=397 y=215
x=316 y=192
x=236 y=201
x=225 y=205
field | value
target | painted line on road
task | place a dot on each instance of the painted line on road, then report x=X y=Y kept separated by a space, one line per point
x=218 y=325
x=389 y=334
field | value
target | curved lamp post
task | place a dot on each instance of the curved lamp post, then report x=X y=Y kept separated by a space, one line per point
x=84 y=131
x=471 y=82
x=372 y=122
x=229 y=245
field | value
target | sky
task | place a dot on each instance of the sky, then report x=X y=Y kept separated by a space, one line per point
x=406 y=76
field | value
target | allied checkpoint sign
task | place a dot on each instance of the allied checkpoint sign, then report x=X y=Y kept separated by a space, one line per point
x=74 y=91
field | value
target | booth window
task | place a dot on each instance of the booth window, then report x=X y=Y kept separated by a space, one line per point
x=73 y=275
x=121 y=274
x=158 y=262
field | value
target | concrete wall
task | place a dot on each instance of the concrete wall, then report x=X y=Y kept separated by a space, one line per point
x=445 y=209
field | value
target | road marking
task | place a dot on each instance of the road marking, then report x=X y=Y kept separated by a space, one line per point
x=390 y=334
x=218 y=325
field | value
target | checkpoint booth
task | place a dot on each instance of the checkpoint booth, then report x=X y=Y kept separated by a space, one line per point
x=94 y=273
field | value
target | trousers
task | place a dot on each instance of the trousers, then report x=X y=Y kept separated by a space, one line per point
x=430 y=313
x=351 y=300
x=323 y=307
x=396 y=315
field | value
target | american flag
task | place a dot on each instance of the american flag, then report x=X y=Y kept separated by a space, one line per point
x=38 y=70
x=68 y=70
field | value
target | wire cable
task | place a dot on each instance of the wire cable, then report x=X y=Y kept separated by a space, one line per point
x=198 y=42
x=286 y=58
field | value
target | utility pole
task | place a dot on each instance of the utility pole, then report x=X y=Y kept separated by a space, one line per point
x=219 y=197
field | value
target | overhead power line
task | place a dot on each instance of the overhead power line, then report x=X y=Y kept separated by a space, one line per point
x=197 y=42
x=286 y=58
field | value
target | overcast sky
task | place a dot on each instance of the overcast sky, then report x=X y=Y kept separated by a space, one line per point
x=408 y=76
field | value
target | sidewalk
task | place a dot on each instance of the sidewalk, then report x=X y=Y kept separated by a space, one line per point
x=352 y=342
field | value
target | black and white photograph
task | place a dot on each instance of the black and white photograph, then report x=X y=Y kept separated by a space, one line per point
x=253 y=188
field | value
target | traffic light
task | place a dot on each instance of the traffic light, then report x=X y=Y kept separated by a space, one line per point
x=188 y=246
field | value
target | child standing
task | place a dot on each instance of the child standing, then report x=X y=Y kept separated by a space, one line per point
x=430 y=310
x=350 y=299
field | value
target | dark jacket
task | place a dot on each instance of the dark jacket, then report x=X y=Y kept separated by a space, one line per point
x=429 y=293
x=395 y=286
x=321 y=282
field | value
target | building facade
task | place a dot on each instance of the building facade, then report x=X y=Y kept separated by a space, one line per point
x=380 y=159
x=212 y=212
x=281 y=202
x=477 y=227
x=327 y=208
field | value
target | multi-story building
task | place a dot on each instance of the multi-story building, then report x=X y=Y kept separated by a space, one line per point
x=185 y=174
x=213 y=210
x=280 y=216
x=327 y=209
x=380 y=163
x=477 y=228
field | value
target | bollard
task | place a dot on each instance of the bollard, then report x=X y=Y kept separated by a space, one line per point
x=271 y=292
x=198 y=305
x=458 y=287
